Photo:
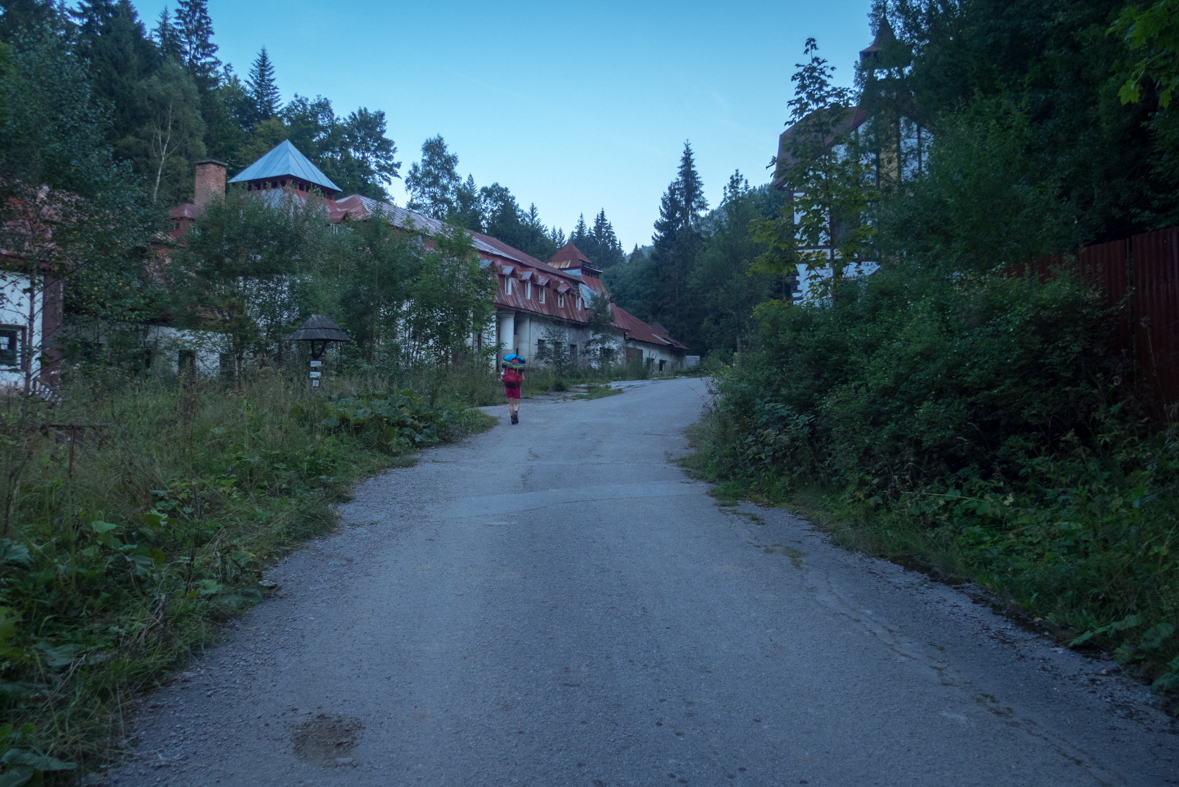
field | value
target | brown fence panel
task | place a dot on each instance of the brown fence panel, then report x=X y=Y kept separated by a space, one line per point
x=1106 y=268
x=1156 y=313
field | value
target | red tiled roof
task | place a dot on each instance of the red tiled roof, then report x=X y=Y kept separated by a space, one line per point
x=634 y=328
x=186 y=211
x=569 y=253
x=508 y=262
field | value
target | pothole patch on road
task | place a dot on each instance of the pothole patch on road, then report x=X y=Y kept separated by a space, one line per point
x=795 y=555
x=327 y=740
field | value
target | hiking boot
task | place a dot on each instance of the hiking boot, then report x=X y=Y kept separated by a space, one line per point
x=515 y=418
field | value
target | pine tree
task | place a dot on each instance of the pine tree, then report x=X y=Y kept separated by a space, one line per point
x=262 y=87
x=195 y=35
x=557 y=236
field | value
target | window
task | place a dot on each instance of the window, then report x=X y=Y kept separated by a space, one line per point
x=540 y=348
x=10 y=342
x=508 y=285
x=542 y=291
x=175 y=225
x=527 y=290
x=560 y=301
x=580 y=302
x=573 y=352
x=186 y=362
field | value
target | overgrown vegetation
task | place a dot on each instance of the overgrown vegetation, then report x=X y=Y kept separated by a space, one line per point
x=973 y=423
x=942 y=407
x=136 y=516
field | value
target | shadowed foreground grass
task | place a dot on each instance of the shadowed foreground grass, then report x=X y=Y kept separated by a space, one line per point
x=134 y=518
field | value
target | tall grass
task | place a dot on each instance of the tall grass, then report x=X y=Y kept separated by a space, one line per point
x=137 y=515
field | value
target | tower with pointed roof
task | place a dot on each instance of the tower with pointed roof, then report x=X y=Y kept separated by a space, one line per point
x=285 y=167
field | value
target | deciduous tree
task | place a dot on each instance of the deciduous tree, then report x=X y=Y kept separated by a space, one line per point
x=433 y=181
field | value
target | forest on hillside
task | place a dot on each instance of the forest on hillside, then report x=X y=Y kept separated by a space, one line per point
x=167 y=101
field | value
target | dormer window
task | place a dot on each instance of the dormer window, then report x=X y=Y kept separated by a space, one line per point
x=527 y=290
x=542 y=290
x=560 y=301
x=508 y=285
x=580 y=302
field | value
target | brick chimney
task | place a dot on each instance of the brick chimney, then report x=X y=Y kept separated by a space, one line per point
x=210 y=180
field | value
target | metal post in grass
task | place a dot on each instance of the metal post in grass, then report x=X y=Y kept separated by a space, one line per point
x=318 y=332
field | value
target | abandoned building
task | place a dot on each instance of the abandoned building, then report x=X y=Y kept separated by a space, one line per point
x=537 y=304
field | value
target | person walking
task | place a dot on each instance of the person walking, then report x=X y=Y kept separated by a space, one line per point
x=513 y=378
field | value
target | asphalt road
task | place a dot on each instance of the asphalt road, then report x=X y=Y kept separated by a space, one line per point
x=555 y=603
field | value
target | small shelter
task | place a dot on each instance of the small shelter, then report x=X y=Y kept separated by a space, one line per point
x=319 y=330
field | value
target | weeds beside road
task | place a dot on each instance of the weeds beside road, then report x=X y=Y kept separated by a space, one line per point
x=137 y=516
x=976 y=425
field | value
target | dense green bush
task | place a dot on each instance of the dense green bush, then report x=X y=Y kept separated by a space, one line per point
x=969 y=419
x=909 y=379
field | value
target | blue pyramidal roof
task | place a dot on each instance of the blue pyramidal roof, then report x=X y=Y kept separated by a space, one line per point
x=285 y=159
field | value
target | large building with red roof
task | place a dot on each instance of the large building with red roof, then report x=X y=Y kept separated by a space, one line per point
x=537 y=304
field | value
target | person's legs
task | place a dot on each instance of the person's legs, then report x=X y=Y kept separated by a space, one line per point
x=513 y=396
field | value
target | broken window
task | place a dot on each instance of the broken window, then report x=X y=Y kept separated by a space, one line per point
x=10 y=341
x=560 y=301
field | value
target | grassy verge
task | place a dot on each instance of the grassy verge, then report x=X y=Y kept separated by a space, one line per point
x=138 y=516
x=1084 y=546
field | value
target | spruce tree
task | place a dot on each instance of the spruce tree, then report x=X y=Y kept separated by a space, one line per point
x=691 y=189
x=468 y=206
x=262 y=87
x=195 y=35
x=166 y=37
x=677 y=241
x=607 y=248
x=120 y=55
x=92 y=18
x=580 y=237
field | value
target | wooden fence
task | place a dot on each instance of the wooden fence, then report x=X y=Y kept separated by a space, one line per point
x=1138 y=276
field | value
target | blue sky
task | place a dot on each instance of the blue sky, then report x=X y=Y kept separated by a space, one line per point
x=576 y=107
